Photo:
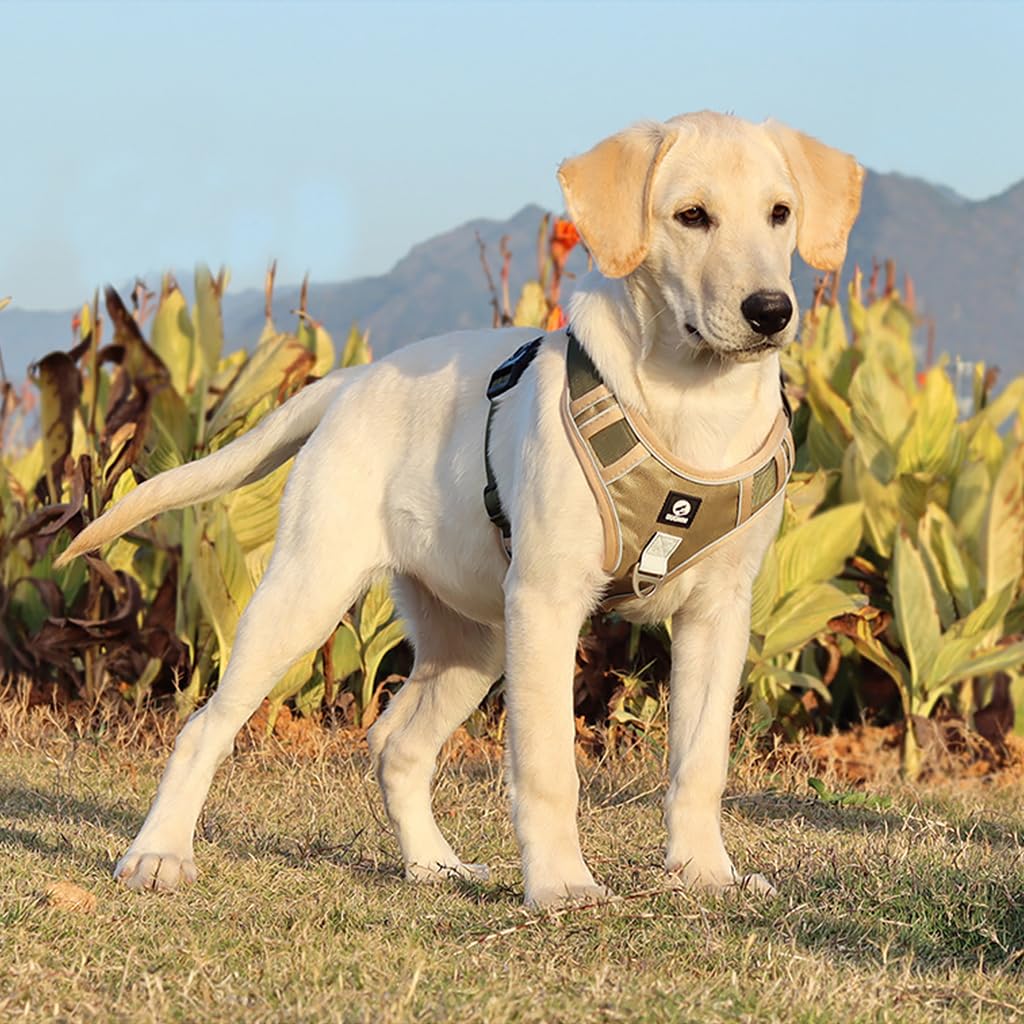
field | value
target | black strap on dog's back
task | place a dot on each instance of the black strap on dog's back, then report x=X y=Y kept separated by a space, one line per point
x=504 y=378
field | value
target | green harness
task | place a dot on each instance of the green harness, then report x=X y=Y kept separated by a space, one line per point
x=660 y=517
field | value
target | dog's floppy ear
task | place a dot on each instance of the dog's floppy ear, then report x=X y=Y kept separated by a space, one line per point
x=608 y=195
x=829 y=182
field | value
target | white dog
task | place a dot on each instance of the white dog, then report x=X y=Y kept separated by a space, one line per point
x=692 y=224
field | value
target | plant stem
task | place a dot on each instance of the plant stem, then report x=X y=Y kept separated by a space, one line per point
x=910 y=754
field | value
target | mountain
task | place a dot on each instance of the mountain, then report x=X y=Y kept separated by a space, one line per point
x=966 y=259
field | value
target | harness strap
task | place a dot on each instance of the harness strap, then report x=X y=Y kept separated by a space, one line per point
x=504 y=378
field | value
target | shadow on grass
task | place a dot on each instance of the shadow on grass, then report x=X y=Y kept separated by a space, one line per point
x=766 y=808
x=24 y=802
x=67 y=814
x=937 y=916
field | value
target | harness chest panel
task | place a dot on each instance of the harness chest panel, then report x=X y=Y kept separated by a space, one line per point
x=660 y=517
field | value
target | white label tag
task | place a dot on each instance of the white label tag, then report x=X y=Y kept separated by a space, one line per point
x=656 y=553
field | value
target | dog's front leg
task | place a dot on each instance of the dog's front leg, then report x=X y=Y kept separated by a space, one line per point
x=710 y=636
x=543 y=627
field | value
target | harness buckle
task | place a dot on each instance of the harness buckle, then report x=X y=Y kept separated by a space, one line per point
x=652 y=565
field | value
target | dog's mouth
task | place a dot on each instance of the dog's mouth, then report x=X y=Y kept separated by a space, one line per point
x=770 y=343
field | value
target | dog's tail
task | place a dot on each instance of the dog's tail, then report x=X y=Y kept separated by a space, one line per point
x=247 y=459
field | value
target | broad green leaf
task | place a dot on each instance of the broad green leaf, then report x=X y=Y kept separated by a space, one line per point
x=357 y=349
x=221 y=578
x=968 y=503
x=120 y=556
x=881 y=509
x=987 y=446
x=256 y=562
x=830 y=409
x=376 y=609
x=60 y=387
x=277 y=368
x=1004 y=405
x=913 y=493
x=858 y=314
x=999 y=660
x=917 y=619
x=803 y=615
x=806 y=491
x=345 y=654
x=26 y=469
x=870 y=647
x=313 y=336
x=827 y=338
x=989 y=615
x=934 y=443
x=940 y=536
x=818 y=549
x=940 y=592
x=168 y=441
x=1014 y=622
x=209 y=327
x=532 y=307
x=824 y=450
x=1003 y=537
x=173 y=337
x=293 y=681
x=383 y=641
x=785 y=679
x=881 y=412
x=253 y=510
x=310 y=698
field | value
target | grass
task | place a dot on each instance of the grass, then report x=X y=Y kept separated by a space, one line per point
x=908 y=912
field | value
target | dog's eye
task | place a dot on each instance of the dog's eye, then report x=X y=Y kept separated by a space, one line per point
x=780 y=214
x=693 y=217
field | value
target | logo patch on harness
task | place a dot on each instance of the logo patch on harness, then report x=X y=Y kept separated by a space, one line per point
x=679 y=510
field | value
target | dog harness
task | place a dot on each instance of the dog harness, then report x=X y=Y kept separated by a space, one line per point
x=660 y=516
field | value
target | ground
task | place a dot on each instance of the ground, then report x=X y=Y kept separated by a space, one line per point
x=907 y=908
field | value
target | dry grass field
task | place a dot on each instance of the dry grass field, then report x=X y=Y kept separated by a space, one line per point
x=910 y=908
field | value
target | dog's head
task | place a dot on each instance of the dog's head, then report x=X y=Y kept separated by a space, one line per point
x=709 y=208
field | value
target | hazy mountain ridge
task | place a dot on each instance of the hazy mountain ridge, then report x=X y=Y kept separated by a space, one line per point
x=966 y=258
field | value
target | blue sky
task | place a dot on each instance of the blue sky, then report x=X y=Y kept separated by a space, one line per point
x=139 y=136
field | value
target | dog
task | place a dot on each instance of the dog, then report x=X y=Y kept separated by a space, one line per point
x=691 y=224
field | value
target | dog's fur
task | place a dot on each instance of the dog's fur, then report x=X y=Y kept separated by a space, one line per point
x=388 y=478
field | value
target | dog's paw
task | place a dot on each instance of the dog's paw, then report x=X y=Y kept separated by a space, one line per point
x=687 y=876
x=553 y=896
x=155 y=872
x=431 y=875
x=757 y=884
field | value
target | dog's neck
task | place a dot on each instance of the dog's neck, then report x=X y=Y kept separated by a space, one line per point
x=709 y=412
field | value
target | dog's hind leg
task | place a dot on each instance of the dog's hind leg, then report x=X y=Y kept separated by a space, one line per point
x=324 y=556
x=456 y=662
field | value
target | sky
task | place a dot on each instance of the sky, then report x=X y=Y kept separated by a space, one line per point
x=136 y=137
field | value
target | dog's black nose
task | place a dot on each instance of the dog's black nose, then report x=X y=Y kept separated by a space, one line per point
x=767 y=312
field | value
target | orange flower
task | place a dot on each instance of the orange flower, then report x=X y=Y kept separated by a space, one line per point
x=564 y=231
x=564 y=238
x=555 y=320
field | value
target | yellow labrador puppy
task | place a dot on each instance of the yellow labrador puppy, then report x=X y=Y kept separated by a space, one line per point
x=692 y=224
